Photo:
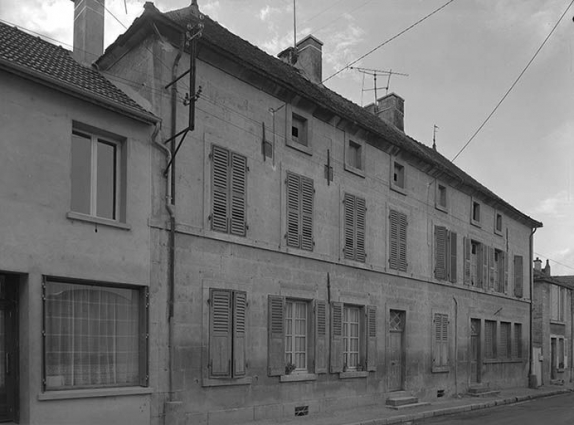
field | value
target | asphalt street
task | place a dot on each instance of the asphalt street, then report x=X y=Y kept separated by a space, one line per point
x=556 y=410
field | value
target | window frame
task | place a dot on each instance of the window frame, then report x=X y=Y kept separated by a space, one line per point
x=498 y=219
x=306 y=121
x=440 y=342
x=142 y=334
x=398 y=177
x=445 y=254
x=561 y=357
x=505 y=341
x=475 y=212
x=490 y=346
x=300 y=198
x=441 y=189
x=518 y=268
x=359 y=147
x=517 y=348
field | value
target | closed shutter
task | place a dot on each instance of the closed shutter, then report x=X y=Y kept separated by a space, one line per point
x=276 y=336
x=349 y=248
x=440 y=237
x=371 y=338
x=360 y=211
x=489 y=339
x=238 y=195
x=336 y=337
x=220 y=333
x=308 y=193
x=403 y=242
x=518 y=276
x=440 y=346
x=321 y=341
x=397 y=241
x=491 y=274
x=505 y=271
x=453 y=257
x=293 y=210
x=220 y=188
x=239 y=327
x=467 y=251
x=483 y=266
x=504 y=338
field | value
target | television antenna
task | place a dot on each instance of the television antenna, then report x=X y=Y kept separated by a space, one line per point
x=374 y=73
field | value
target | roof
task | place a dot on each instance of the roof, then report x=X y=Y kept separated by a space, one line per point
x=564 y=281
x=35 y=58
x=285 y=75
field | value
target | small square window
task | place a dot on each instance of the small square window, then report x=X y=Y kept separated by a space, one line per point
x=498 y=224
x=355 y=155
x=475 y=213
x=399 y=175
x=441 y=199
x=299 y=130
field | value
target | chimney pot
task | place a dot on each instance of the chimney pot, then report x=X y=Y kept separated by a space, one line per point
x=88 y=30
x=307 y=56
x=538 y=264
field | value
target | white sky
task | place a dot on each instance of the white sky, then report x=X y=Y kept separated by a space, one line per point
x=460 y=63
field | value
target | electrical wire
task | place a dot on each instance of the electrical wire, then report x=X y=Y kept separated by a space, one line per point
x=513 y=84
x=389 y=40
x=554 y=261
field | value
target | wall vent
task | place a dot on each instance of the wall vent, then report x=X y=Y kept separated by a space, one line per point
x=301 y=410
x=440 y=393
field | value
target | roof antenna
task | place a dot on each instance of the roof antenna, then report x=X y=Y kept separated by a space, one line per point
x=435 y=128
x=374 y=73
x=294 y=25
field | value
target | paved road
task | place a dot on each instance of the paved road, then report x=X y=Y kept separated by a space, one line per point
x=557 y=410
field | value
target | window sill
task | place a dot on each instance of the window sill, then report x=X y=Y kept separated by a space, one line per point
x=214 y=382
x=298 y=146
x=298 y=377
x=97 y=220
x=498 y=232
x=357 y=171
x=398 y=189
x=353 y=374
x=490 y=361
x=440 y=369
x=93 y=392
x=441 y=208
x=557 y=322
x=475 y=223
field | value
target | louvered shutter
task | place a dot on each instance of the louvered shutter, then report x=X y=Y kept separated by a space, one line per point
x=444 y=342
x=403 y=242
x=482 y=266
x=321 y=341
x=371 y=338
x=440 y=342
x=220 y=189
x=518 y=276
x=505 y=271
x=276 y=332
x=239 y=330
x=220 y=333
x=360 y=211
x=394 y=240
x=336 y=337
x=308 y=193
x=349 y=248
x=453 y=257
x=238 y=224
x=440 y=237
x=467 y=251
x=491 y=274
x=293 y=210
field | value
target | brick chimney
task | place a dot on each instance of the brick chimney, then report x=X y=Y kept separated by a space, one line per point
x=308 y=57
x=391 y=109
x=88 y=30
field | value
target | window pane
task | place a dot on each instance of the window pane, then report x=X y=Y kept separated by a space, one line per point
x=92 y=336
x=106 y=180
x=81 y=173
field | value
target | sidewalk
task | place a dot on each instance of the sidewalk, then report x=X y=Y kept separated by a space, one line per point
x=381 y=415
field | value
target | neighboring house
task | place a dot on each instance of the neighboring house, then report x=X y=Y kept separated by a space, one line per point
x=74 y=241
x=552 y=331
x=309 y=255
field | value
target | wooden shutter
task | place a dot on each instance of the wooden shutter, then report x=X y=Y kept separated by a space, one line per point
x=482 y=266
x=491 y=283
x=276 y=338
x=293 y=210
x=336 y=337
x=220 y=323
x=403 y=242
x=220 y=189
x=453 y=257
x=440 y=340
x=467 y=251
x=307 y=195
x=440 y=237
x=239 y=328
x=349 y=248
x=321 y=341
x=360 y=211
x=394 y=240
x=238 y=224
x=505 y=271
x=371 y=338
x=518 y=276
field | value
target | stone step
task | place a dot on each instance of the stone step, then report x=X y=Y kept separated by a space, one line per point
x=409 y=406
x=479 y=389
x=401 y=401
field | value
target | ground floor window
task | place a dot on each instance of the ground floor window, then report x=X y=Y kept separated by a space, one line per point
x=296 y=335
x=94 y=335
x=351 y=324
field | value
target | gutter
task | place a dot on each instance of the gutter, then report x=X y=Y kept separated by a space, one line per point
x=531 y=278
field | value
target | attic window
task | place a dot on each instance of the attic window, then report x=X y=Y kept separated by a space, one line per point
x=498 y=224
x=475 y=213
x=441 y=197
x=299 y=130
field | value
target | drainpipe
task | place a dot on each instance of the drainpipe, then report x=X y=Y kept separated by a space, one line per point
x=531 y=277
x=455 y=346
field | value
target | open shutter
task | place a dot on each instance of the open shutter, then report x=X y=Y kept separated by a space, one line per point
x=321 y=341
x=371 y=338
x=336 y=337
x=349 y=248
x=276 y=348
x=220 y=333
x=444 y=342
x=440 y=238
x=220 y=189
x=482 y=266
x=467 y=250
x=394 y=240
x=361 y=210
x=403 y=242
x=293 y=210
x=308 y=193
x=239 y=327
x=505 y=271
x=453 y=257
x=238 y=194
x=491 y=274
x=518 y=276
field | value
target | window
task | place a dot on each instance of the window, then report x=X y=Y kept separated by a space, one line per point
x=498 y=269
x=490 y=339
x=229 y=187
x=505 y=347
x=560 y=352
x=498 y=224
x=300 y=194
x=518 y=276
x=97 y=176
x=475 y=214
x=353 y=338
x=297 y=332
x=94 y=336
x=398 y=241
x=354 y=216
x=518 y=340
x=475 y=263
x=227 y=330
x=557 y=303
x=441 y=197
x=440 y=347
x=355 y=158
x=445 y=254
x=399 y=175
x=299 y=130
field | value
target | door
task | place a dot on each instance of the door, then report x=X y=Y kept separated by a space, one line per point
x=396 y=357
x=553 y=368
x=475 y=361
x=8 y=348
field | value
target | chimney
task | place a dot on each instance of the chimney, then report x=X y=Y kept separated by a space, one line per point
x=88 y=30
x=547 y=268
x=307 y=56
x=538 y=264
x=391 y=109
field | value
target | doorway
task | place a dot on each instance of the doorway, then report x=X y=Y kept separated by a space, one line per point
x=9 y=365
x=396 y=350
